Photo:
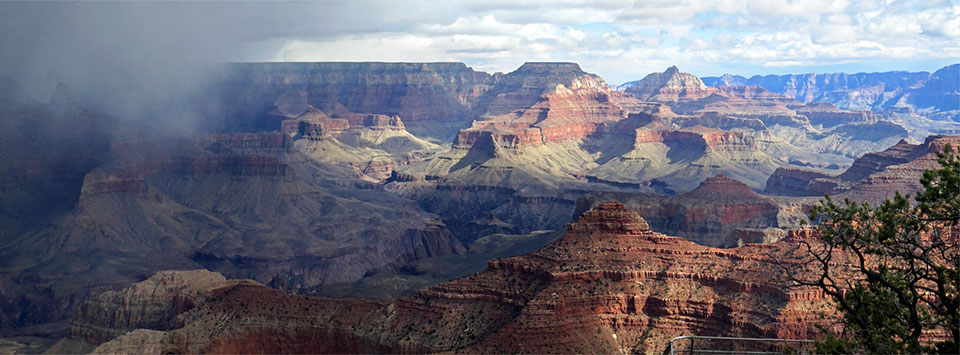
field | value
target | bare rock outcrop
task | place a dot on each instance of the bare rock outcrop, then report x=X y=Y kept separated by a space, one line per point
x=609 y=285
x=872 y=177
x=150 y=304
x=711 y=214
x=668 y=86
x=432 y=98
x=937 y=94
x=562 y=114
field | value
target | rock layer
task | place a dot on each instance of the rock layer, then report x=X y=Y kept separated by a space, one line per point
x=712 y=214
x=422 y=94
x=609 y=285
x=937 y=94
x=872 y=177
x=247 y=205
x=151 y=304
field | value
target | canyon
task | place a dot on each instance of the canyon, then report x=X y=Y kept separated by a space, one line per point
x=937 y=93
x=609 y=284
x=438 y=195
x=873 y=177
x=721 y=212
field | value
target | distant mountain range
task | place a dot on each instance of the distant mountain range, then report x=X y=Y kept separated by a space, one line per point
x=935 y=95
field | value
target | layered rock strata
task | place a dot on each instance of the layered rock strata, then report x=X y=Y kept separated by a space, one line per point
x=562 y=114
x=872 y=177
x=372 y=145
x=609 y=285
x=795 y=132
x=716 y=213
x=247 y=205
x=935 y=94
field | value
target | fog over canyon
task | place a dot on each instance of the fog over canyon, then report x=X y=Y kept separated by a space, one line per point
x=173 y=189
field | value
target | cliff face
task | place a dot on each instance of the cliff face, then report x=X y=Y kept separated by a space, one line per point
x=372 y=145
x=687 y=93
x=562 y=114
x=667 y=86
x=151 y=304
x=609 y=285
x=937 y=94
x=815 y=134
x=681 y=159
x=872 y=177
x=712 y=214
x=247 y=205
x=809 y=87
x=827 y=115
x=420 y=93
x=524 y=157
x=792 y=181
x=578 y=135
x=344 y=190
x=523 y=87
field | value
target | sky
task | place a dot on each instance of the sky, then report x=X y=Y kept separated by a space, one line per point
x=148 y=42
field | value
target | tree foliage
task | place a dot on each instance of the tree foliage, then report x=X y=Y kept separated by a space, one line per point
x=893 y=268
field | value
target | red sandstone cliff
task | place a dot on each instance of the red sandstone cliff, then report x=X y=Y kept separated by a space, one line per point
x=609 y=285
x=711 y=215
x=423 y=94
x=562 y=114
x=151 y=304
x=872 y=177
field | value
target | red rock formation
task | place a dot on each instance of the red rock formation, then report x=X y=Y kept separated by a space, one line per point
x=686 y=93
x=524 y=87
x=373 y=121
x=562 y=114
x=260 y=142
x=708 y=215
x=151 y=304
x=436 y=92
x=609 y=285
x=668 y=86
x=510 y=140
x=827 y=115
x=791 y=181
x=699 y=138
x=872 y=177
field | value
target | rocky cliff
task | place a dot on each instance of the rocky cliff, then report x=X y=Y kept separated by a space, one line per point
x=150 y=304
x=667 y=86
x=872 y=177
x=609 y=285
x=681 y=159
x=813 y=134
x=422 y=94
x=523 y=159
x=338 y=189
x=371 y=145
x=712 y=214
x=937 y=94
x=523 y=87
x=561 y=114
x=247 y=205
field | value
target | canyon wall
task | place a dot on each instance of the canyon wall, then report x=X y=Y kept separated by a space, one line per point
x=936 y=94
x=872 y=177
x=609 y=285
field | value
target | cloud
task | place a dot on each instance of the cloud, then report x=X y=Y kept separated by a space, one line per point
x=620 y=40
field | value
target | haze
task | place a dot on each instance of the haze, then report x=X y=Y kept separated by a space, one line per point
x=619 y=40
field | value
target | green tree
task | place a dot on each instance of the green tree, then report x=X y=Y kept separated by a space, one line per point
x=893 y=268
